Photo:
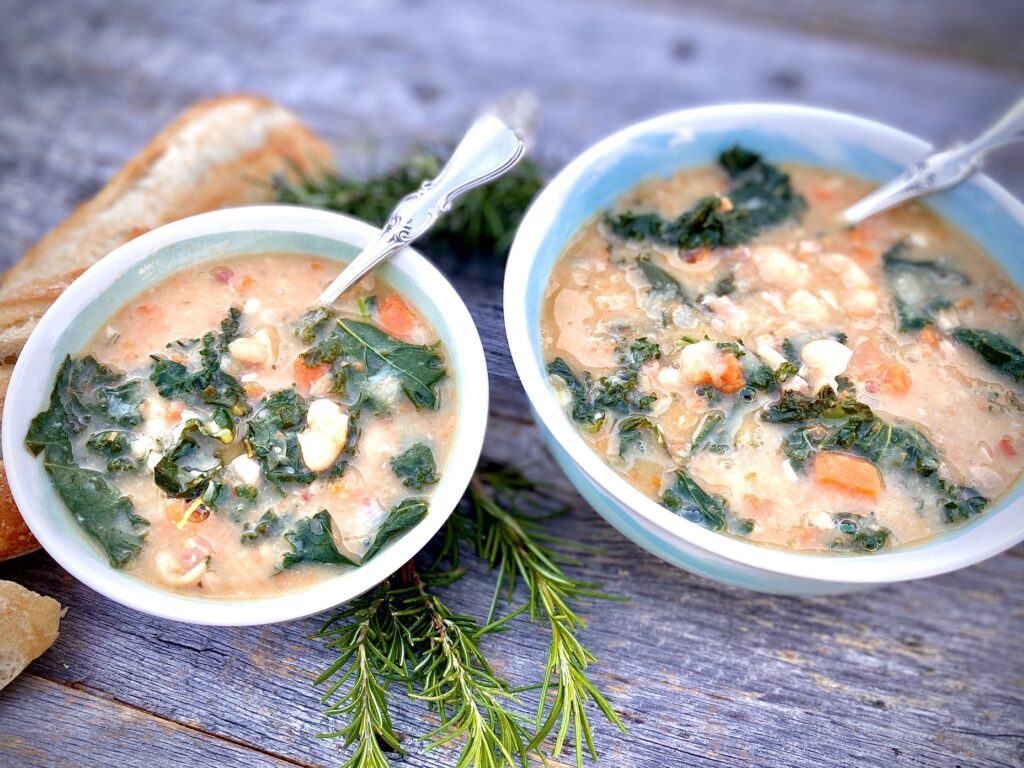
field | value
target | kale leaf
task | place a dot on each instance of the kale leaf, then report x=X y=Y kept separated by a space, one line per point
x=179 y=480
x=663 y=285
x=759 y=196
x=592 y=402
x=858 y=534
x=116 y=446
x=918 y=287
x=208 y=383
x=415 y=467
x=272 y=437
x=269 y=524
x=995 y=349
x=631 y=434
x=105 y=515
x=794 y=407
x=691 y=502
x=359 y=351
x=400 y=518
x=583 y=411
x=312 y=542
x=312 y=322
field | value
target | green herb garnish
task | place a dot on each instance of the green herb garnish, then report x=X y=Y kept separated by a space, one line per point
x=759 y=196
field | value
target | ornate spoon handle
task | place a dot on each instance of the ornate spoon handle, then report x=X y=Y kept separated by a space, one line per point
x=489 y=149
x=941 y=170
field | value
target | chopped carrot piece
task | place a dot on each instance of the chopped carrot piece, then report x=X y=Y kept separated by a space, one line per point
x=823 y=194
x=864 y=254
x=848 y=473
x=147 y=309
x=758 y=508
x=729 y=377
x=246 y=283
x=1006 y=447
x=896 y=379
x=930 y=336
x=305 y=375
x=395 y=315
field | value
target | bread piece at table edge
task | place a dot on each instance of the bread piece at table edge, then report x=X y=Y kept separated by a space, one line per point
x=212 y=156
x=28 y=626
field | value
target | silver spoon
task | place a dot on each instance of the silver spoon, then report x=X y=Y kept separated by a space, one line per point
x=493 y=144
x=941 y=170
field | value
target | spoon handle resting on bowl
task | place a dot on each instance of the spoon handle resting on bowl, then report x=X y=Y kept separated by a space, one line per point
x=941 y=170
x=490 y=148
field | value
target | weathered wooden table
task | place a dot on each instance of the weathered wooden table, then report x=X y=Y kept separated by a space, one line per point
x=922 y=674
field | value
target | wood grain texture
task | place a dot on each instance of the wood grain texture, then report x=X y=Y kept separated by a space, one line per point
x=921 y=674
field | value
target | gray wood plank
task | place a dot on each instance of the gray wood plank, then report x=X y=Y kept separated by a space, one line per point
x=87 y=83
x=48 y=725
x=924 y=674
x=986 y=31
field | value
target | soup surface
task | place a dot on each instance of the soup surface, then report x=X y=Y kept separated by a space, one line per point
x=215 y=438
x=724 y=343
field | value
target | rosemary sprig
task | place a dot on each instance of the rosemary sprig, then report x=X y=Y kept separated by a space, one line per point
x=483 y=220
x=511 y=540
x=372 y=652
x=458 y=683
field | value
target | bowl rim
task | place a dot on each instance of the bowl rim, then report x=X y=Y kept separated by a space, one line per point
x=898 y=565
x=70 y=549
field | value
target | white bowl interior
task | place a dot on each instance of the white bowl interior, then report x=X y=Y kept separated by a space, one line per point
x=91 y=299
x=691 y=138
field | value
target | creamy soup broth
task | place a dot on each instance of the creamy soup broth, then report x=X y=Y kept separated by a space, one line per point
x=806 y=279
x=205 y=552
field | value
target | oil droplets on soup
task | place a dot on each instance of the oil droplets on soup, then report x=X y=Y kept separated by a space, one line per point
x=214 y=439
x=724 y=344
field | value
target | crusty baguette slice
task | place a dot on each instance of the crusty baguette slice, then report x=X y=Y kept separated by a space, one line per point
x=219 y=153
x=28 y=626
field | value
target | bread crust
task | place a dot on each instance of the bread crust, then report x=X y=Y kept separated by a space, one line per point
x=218 y=153
x=28 y=626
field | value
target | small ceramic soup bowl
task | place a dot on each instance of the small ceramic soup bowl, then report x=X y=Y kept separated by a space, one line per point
x=147 y=260
x=693 y=138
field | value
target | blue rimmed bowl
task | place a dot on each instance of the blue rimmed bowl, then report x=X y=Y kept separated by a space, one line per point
x=661 y=147
x=83 y=308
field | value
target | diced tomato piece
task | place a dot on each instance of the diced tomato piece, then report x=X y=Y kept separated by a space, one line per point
x=395 y=315
x=1006 y=447
x=847 y=473
x=306 y=375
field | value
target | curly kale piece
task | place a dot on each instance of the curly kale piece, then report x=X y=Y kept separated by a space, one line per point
x=416 y=467
x=855 y=533
x=82 y=390
x=357 y=352
x=687 y=499
x=272 y=438
x=207 y=384
x=592 y=402
x=995 y=349
x=759 y=196
x=919 y=288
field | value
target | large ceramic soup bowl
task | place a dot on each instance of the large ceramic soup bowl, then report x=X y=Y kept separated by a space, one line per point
x=660 y=148
x=283 y=453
